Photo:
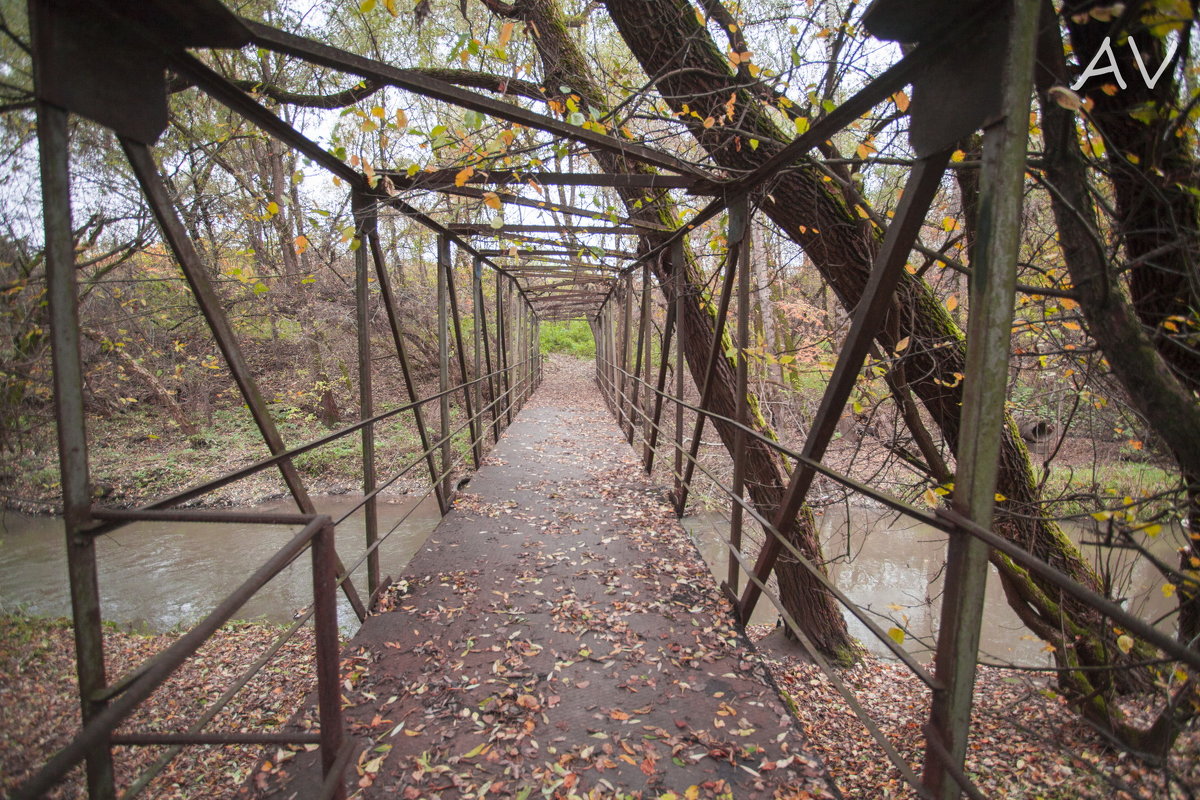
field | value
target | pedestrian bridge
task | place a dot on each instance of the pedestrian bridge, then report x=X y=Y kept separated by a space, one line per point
x=558 y=635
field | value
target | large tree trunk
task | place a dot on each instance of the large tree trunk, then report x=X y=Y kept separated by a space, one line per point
x=1158 y=236
x=671 y=43
x=813 y=607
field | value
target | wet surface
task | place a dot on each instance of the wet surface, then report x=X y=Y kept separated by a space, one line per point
x=892 y=567
x=557 y=635
x=156 y=576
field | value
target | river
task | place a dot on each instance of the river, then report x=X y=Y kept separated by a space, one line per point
x=157 y=575
x=893 y=567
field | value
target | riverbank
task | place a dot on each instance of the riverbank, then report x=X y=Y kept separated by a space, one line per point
x=136 y=457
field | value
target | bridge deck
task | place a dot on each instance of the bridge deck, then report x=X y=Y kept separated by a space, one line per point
x=561 y=636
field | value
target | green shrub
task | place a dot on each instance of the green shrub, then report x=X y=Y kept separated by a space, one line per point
x=574 y=338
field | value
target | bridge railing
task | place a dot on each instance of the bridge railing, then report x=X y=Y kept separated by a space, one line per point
x=496 y=373
x=636 y=397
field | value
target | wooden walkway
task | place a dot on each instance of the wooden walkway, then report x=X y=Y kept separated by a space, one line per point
x=559 y=636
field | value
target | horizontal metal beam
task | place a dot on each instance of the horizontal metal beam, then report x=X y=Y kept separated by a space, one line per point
x=548 y=205
x=465 y=228
x=538 y=251
x=326 y=55
x=450 y=177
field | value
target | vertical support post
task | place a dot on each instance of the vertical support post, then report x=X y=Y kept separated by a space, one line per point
x=626 y=340
x=478 y=433
x=476 y=455
x=393 y=315
x=443 y=336
x=210 y=305
x=365 y=222
x=993 y=286
x=635 y=393
x=647 y=351
x=735 y=236
x=661 y=385
x=487 y=357
x=502 y=344
x=329 y=700
x=678 y=275
x=54 y=152
x=742 y=410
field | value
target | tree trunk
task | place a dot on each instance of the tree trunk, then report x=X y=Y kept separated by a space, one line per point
x=671 y=43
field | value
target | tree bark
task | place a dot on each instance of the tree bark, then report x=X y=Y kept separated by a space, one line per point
x=672 y=44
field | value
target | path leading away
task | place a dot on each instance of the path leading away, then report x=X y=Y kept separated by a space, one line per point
x=560 y=636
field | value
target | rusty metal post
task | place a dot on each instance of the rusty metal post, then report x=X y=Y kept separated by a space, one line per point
x=992 y=291
x=476 y=455
x=443 y=337
x=502 y=345
x=393 y=315
x=735 y=238
x=477 y=333
x=742 y=411
x=365 y=221
x=643 y=313
x=210 y=305
x=329 y=699
x=54 y=153
x=678 y=275
x=647 y=354
x=487 y=356
x=626 y=419
x=661 y=385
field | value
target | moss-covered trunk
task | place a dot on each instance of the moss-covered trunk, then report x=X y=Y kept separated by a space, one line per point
x=670 y=42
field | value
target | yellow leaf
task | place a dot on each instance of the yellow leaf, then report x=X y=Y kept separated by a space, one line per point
x=897 y=635
x=952 y=302
x=463 y=176
x=949 y=224
x=1168 y=590
x=301 y=243
x=958 y=155
x=492 y=200
x=390 y=5
x=902 y=344
x=401 y=118
x=272 y=208
x=1125 y=642
x=366 y=6
x=692 y=793
x=506 y=31
x=999 y=498
x=377 y=111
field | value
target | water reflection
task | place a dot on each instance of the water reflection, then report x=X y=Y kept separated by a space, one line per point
x=158 y=575
x=893 y=568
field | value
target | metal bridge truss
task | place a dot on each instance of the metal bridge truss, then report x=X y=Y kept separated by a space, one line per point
x=106 y=60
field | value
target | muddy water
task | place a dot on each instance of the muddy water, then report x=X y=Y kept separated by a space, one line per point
x=158 y=575
x=892 y=567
